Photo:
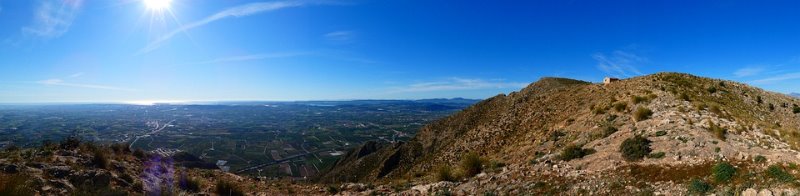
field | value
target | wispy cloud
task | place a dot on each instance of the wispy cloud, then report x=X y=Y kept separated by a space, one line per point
x=60 y=82
x=237 y=11
x=52 y=18
x=75 y=75
x=748 y=71
x=251 y=57
x=778 y=78
x=340 y=36
x=453 y=84
x=620 y=63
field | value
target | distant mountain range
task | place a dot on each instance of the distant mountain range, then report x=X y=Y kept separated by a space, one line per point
x=795 y=95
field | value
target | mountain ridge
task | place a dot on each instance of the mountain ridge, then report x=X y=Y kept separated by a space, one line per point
x=530 y=129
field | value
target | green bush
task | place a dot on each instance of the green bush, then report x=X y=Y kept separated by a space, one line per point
x=228 y=189
x=656 y=155
x=188 y=184
x=661 y=133
x=574 y=152
x=637 y=99
x=684 y=97
x=712 y=90
x=776 y=172
x=796 y=109
x=723 y=172
x=99 y=158
x=17 y=184
x=620 y=106
x=642 y=113
x=771 y=107
x=445 y=173
x=760 y=159
x=698 y=187
x=471 y=164
x=609 y=130
x=635 y=148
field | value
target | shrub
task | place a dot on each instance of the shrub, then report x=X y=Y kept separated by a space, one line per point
x=712 y=90
x=637 y=99
x=796 y=109
x=715 y=109
x=228 y=189
x=555 y=135
x=99 y=158
x=17 y=184
x=777 y=173
x=723 y=172
x=635 y=148
x=699 y=187
x=656 y=155
x=609 y=130
x=445 y=173
x=120 y=148
x=620 y=106
x=759 y=100
x=718 y=131
x=642 y=113
x=574 y=152
x=471 y=164
x=188 y=184
x=138 y=153
x=70 y=143
x=332 y=190
x=684 y=97
x=760 y=159
x=661 y=133
x=771 y=107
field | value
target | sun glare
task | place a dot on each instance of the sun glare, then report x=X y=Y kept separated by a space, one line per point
x=157 y=4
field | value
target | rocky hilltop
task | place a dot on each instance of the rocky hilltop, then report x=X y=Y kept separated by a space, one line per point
x=666 y=133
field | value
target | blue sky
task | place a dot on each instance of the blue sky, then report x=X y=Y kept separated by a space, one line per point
x=201 y=50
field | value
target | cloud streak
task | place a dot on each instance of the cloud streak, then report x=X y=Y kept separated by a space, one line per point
x=251 y=57
x=778 y=78
x=237 y=11
x=748 y=71
x=454 y=84
x=59 y=82
x=340 y=36
x=620 y=63
x=52 y=18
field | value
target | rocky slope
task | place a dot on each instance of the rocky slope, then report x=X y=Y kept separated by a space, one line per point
x=564 y=136
x=661 y=134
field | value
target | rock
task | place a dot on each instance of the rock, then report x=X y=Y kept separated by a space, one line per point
x=765 y=192
x=750 y=192
x=58 y=171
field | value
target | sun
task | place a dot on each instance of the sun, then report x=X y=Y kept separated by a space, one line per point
x=157 y=5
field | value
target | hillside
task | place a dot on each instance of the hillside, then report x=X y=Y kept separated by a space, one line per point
x=565 y=136
x=661 y=134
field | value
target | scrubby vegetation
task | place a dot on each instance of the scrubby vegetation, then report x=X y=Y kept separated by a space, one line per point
x=228 y=189
x=661 y=133
x=698 y=187
x=795 y=109
x=656 y=155
x=188 y=184
x=445 y=173
x=471 y=164
x=620 y=106
x=777 y=173
x=635 y=148
x=574 y=152
x=719 y=132
x=642 y=113
x=17 y=184
x=723 y=172
x=760 y=159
